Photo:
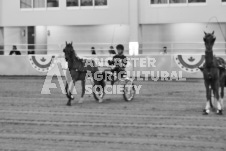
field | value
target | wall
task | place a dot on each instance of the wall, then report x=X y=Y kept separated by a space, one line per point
x=52 y=38
x=181 y=14
x=115 y=13
x=182 y=32
x=14 y=36
x=41 y=39
x=165 y=34
x=88 y=35
x=0 y=13
x=91 y=35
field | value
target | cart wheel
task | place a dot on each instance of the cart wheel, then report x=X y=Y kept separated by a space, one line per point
x=129 y=91
x=98 y=93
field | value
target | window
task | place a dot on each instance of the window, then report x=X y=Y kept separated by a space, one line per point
x=177 y=1
x=52 y=3
x=100 y=2
x=86 y=2
x=159 y=1
x=196 y=1
x=25 y=3
x=72 y=3
x=76 y=3
x=39 y=3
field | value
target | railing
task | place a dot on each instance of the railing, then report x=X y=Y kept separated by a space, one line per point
x=80 y=48
x=102 y=48
x=38 y=48
x=183 y=48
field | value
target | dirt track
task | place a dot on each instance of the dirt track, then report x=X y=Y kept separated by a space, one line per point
x=166 y=116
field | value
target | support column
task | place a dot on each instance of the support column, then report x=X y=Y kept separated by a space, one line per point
x=1 y=31
x=1 y=40
x=134 y=27
x=1 y=13
x=224 y=37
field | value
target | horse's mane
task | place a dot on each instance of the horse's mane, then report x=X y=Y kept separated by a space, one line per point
x=81 y=64
x=211 y=60
x=209 y=36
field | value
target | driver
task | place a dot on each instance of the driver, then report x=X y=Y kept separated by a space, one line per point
x=119 y=61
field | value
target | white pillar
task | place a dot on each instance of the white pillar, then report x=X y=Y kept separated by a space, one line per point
x=134 y=26
x=1 y=13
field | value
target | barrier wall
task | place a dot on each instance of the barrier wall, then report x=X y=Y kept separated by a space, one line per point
x=185 y=66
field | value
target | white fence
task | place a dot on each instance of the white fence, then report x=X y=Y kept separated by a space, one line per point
x=181 y=48
x=102 y=48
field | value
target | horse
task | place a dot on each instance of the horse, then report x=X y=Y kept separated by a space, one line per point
x=77 y=71
x=214 y=75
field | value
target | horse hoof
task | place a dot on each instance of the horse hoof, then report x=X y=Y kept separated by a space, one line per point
x=69 y=103
x=72 y=97
x=100 y=100
x=219 y=112
x=205 y=112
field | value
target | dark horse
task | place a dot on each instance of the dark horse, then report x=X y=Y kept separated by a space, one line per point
x=214 y=75
x=77 y=71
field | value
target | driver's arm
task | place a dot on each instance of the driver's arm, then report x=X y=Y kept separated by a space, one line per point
x=111 y=62
x=124 y=62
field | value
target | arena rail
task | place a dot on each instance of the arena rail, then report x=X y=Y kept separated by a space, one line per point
x=145 y=48
x=175 y=63
x=177 y=66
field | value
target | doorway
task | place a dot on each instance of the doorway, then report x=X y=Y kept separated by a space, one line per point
x=31 y=39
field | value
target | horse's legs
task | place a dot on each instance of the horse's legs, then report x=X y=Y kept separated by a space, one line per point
x=216 y=94
x=68 y=95
x=68 y=92
x=101 y=89
x=220 y=103
x=212 y=99
x=102 y=84
x=83 y=83
x=69 y=89
x=66 y=89
x=222 y=95
x=208 y=99
x=99 y=85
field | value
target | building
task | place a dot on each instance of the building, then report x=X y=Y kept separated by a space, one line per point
x=176 y=24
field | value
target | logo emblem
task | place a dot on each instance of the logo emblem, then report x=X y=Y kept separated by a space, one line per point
x=189 y=63
x=42 y=63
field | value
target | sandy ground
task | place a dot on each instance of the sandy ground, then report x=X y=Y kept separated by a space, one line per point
x=165 y=116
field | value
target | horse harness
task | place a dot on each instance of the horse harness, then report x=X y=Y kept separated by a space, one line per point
x=219 y=65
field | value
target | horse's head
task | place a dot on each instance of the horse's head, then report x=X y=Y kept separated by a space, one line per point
x=69 y=51
x=209 y=40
